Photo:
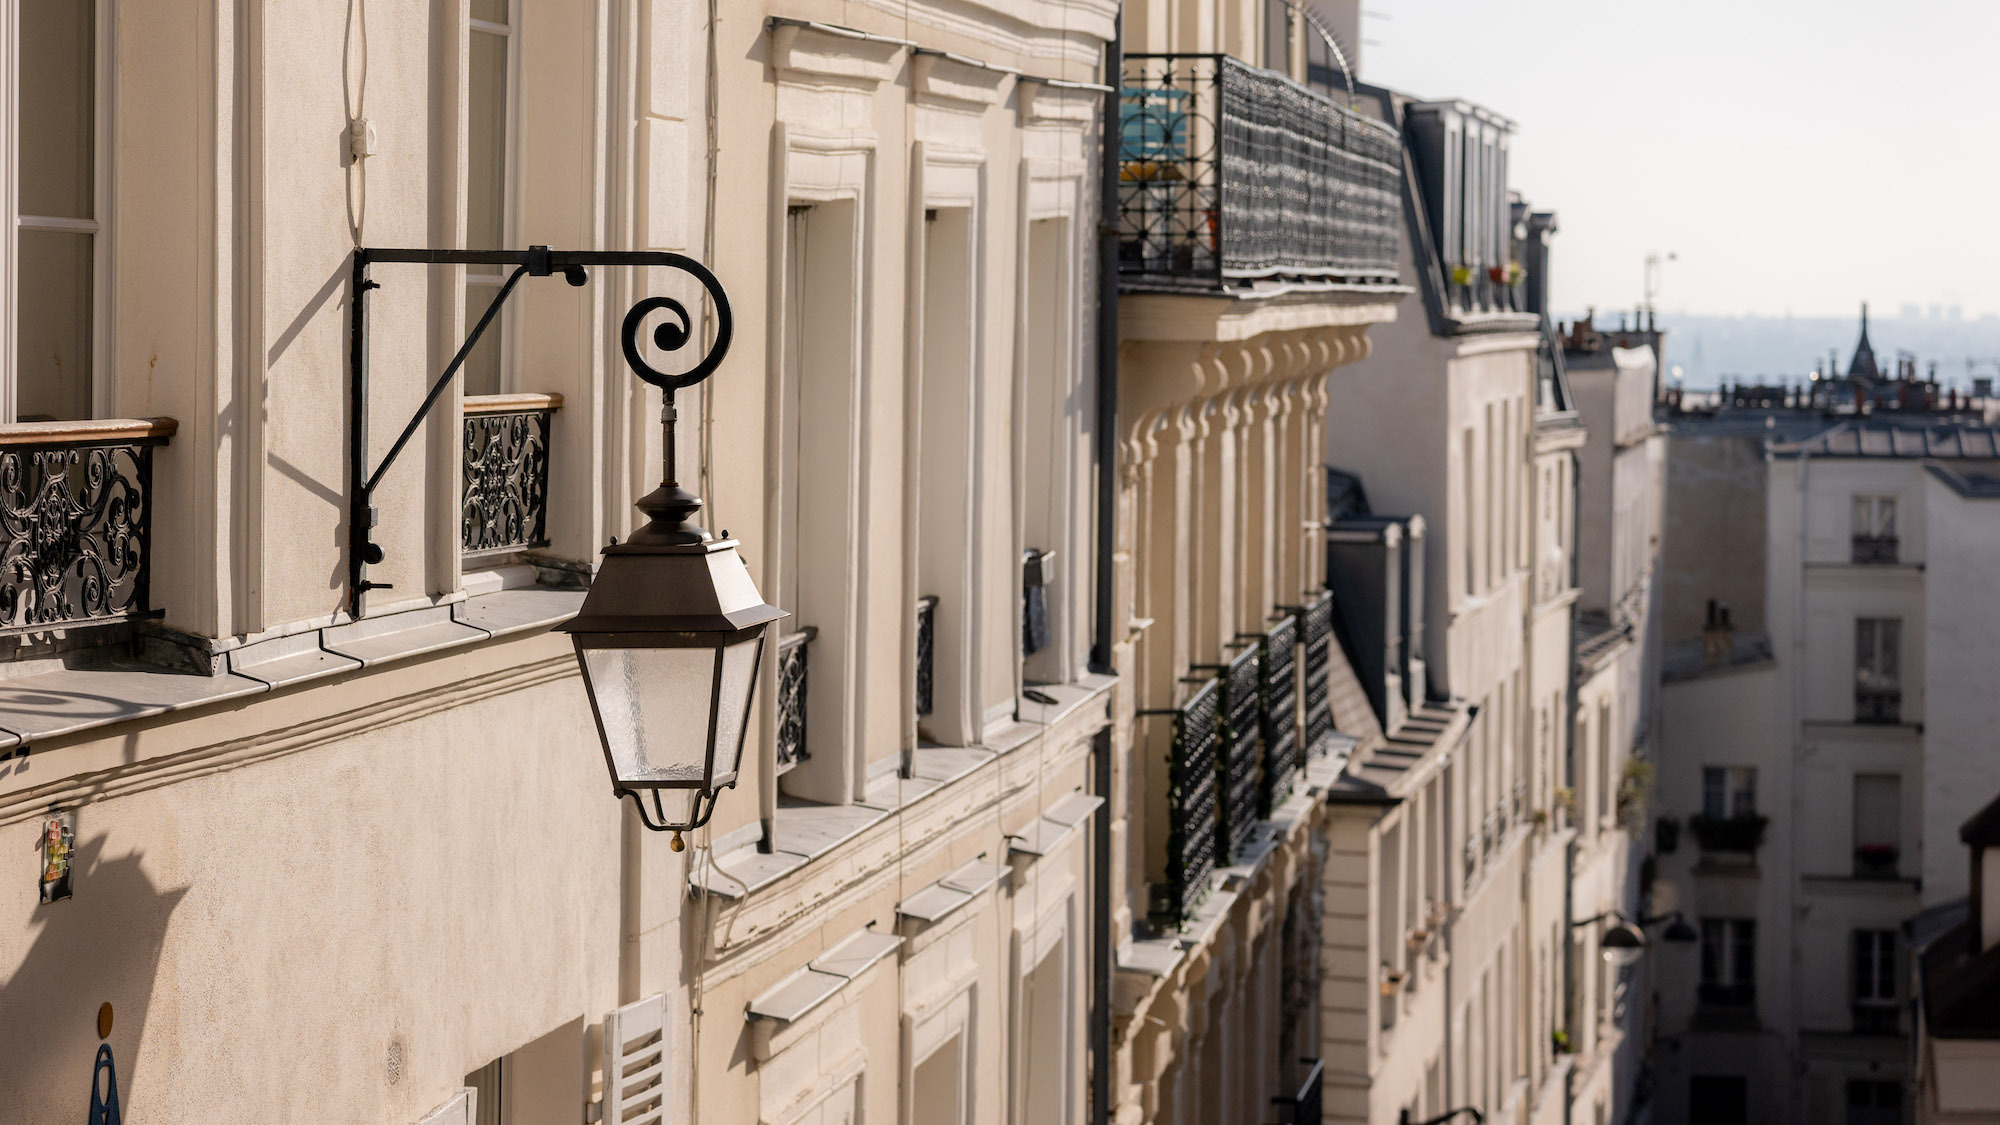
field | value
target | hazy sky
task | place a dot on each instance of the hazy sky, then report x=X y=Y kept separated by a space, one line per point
x=1799 y=155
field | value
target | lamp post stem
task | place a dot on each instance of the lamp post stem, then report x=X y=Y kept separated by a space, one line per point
x=668 y=416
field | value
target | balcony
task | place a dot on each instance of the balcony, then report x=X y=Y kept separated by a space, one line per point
x=1278 y=711
x=1192 y=808
x=1873 y=550
x=1230 y=173
x=76 y=522
x=926 y=654
x=1741 y=834
x=1316 y=641
x=504 y=478
x=793 y=650
x=1302 y=1105
x=1876 y=861
x=1878 y=706
x=1240 y=791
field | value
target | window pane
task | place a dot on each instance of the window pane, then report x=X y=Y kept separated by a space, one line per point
x=1744 y=799
x=482 y=367
x=1713 y=792
x=492 y=11
x=1877 y=800
x=57 y=137
x=1864 y=650
x=1885 y=516
x=486 y=143
x=53 y=334
x=1890 y=632
x=1743 y=965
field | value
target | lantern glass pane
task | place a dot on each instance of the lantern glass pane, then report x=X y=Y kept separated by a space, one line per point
x=732 y=710
x=654 y=704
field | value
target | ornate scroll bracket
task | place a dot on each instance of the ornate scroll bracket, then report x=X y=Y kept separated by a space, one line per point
x=536 y=261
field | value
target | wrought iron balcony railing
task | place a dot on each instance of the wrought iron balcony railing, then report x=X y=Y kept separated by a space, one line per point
x=926 y=653
x=1240 y=790
x=1303 y=1106
x=1877 y=861
x=1878 y=705
x=504 y=485
x=1874 y=549
x=1316 y=641
x=76 y=522
x=792 y=683
x=1228 y=172
x=1278 y=710
x=1742 y=833
x=1192 y=807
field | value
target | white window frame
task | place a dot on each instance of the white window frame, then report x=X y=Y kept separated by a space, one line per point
x=1874 y=985
x=479 y=278
x=1731 y=782
x=100 y=227
x=1875 y=506
x=1868 y=665
x=1730 y=974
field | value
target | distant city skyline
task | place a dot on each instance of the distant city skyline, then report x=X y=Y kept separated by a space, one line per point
x=1797 y=155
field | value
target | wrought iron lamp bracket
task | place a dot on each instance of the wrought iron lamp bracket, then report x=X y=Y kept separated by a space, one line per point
x=536 y=261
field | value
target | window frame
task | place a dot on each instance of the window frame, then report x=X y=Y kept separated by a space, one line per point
x=1873 y=981
x=1731 y=783
x=101 y=227
x=1729 y=960
x=1869 y=655
x=472 y=278
x=1875 y=504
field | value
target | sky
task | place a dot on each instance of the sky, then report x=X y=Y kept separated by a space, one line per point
x=1798 y=156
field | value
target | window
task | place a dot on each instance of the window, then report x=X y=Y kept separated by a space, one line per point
x=937 y=1088
x=1875 y=982
x=1607 y=784
x=59 y=257
x=1728 y=961
x=1874 y=1102
x=1719 y=1099
x=1878 y=800
x=1728 y=791
x=1469 y=462
x=1878 y=693
x=1874 y=529
x=488 y=91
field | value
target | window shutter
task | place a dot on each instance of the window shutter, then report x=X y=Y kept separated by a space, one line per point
x=457 y=1111
x=635 y=1051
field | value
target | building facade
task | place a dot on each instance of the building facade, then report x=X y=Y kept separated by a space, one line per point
x=1818 y=713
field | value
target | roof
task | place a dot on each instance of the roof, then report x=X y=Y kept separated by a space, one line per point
x=1594 y=637
x=1969 y=485
x=1379 y=775
x=1983 y=829
x=1965 y=440
x=1961 y=989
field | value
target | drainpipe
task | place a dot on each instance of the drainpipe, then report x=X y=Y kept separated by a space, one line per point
x=1107 y=352
x=1107 y=507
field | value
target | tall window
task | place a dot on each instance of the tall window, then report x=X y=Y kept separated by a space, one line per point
x=1874 y=1102
x=1607 y=784
x=1878 y=837
x=487 y=121
x=1875 y=981
x=1469 y=462
x=1878 y=691
x=58 y=257
x=1874 y=529
x=1728 y=791
x=1728 y=961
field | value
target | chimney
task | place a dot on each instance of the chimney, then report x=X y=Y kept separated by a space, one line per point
x=1717 y=636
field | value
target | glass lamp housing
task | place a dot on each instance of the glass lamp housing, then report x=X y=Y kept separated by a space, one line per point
x=1622 y=944
x=669 y=639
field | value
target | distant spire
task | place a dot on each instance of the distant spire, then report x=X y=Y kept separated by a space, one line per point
x=1863 y=365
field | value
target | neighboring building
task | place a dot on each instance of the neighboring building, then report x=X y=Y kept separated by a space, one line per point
x=1453 y=835
x=1955 y=989
x=1233 y=312
x=371 y=870
x=1825 y=622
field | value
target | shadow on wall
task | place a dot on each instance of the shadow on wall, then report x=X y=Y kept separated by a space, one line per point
x=102 y=945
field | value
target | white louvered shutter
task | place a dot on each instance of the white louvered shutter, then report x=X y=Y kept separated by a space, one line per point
x=457 y=1111
x=635 y=1064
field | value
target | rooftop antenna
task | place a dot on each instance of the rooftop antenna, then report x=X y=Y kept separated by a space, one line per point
x=1655 y=261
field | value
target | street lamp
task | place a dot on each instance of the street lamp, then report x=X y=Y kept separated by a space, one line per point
x=672 y=631
x=1624 y=941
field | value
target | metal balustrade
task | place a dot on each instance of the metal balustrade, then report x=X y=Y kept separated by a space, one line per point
x=1229 y=172
x=504 y=472
x=76 y=522
x=1278 y=711
x=793 y=650
x=926 y=653
x=1192 y=807
x=1874 y=550
x=1316 y=645
x=1239 y=753
x=1878 y=705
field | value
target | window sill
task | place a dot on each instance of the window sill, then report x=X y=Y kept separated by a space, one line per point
x=805 y=831
x=73 y=700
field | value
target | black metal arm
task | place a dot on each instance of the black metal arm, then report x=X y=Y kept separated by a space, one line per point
x=1648 y=920
x=535 y=261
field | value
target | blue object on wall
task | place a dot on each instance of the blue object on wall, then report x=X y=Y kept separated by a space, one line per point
x=104 y=1089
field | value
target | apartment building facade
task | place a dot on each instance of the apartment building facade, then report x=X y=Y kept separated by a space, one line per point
x=1819 y=711
x=322 y=783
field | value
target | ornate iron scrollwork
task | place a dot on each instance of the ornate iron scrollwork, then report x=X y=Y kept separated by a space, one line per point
x=792 y=684
x=74 y=533
x=505 y=491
